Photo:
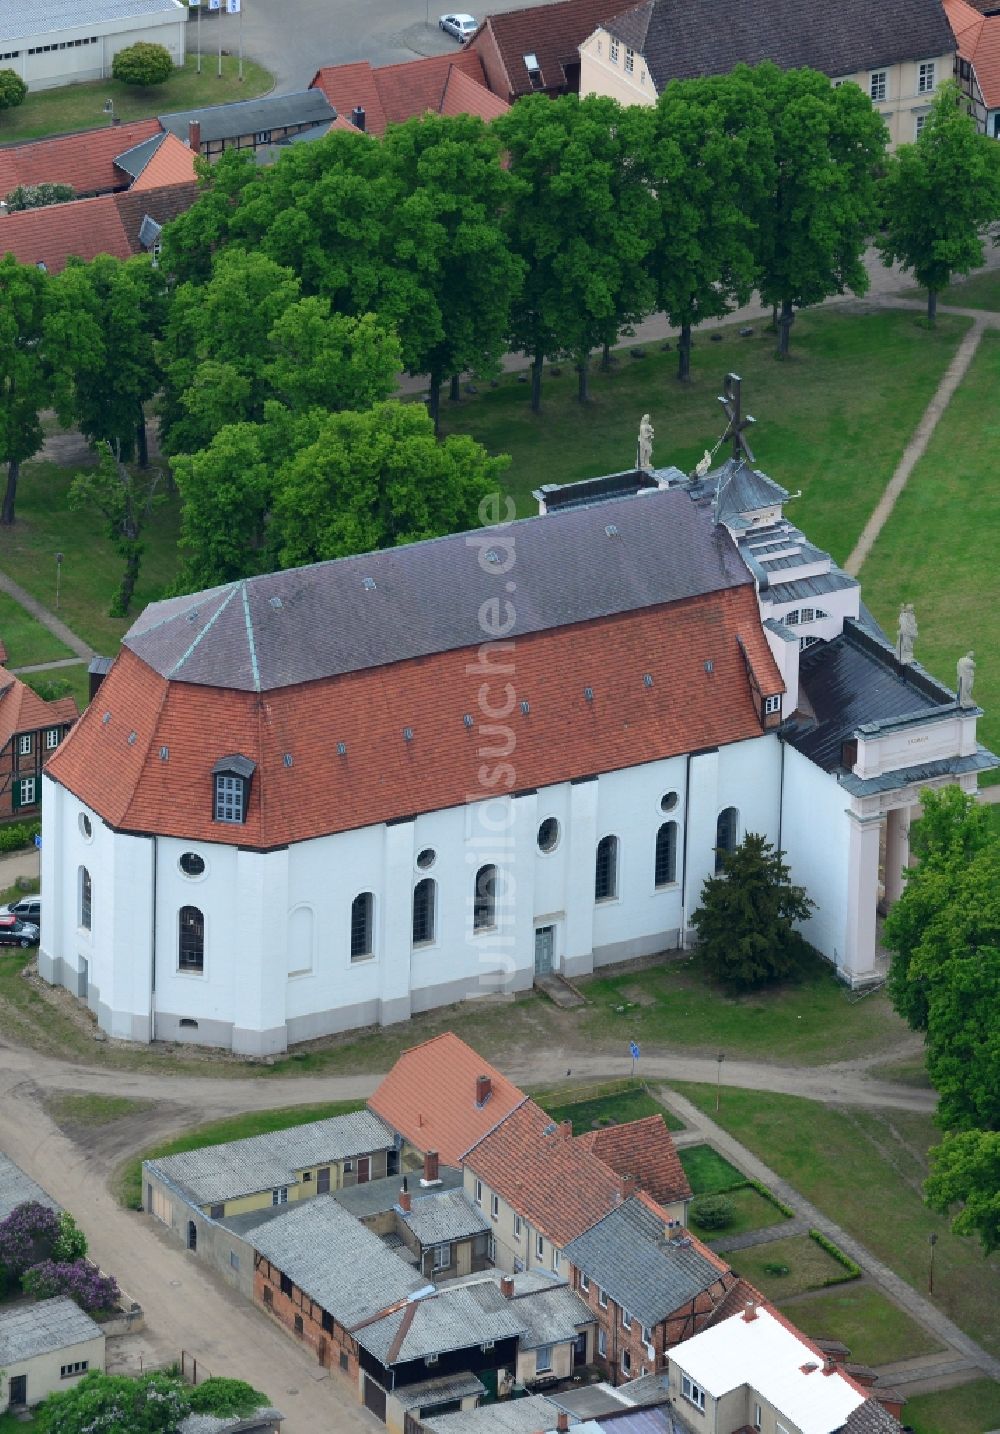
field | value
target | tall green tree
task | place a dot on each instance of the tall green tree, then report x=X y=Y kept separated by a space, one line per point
x=710 y=168
x=116 y=1404
x=938 y=196
x=965 y=1171
x=746 y=920
x=450 y=275
x=125 y=500
x=814 y=225
x=13 y=90
x=583 y=222
x=191 y=241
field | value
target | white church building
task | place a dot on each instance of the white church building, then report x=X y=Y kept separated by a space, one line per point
x=333 y=796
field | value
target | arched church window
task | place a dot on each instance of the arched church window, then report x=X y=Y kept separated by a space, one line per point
x=484 y=899
x=727 y=834
x=665 y=862
x=190 y=939
x=86 y=899
x=424 y=903
x=362 y=925
x=606 y=869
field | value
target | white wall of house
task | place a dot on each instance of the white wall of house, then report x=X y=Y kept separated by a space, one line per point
x=815 y=836
x=44 y=1372
x=59 y=55
x=277 y=964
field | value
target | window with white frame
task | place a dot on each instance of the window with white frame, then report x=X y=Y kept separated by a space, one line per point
x=665 y=858
x=543 y=1359
x=70 y=1371
x=24 y=745
x=279 y=1196
x=424 y=904
x=629 y=60
x=647 y=1334
x=26 y=794
x=86 y=898
x=479 y=1192
x=362 y=925
x=52 y=738
x=692 y=1392
x=772 y=704
x=626 y=1362
x=606 y=869
x=602 y=1297
x=626 y=1319
x=190 y=939
x=495 y=1207
x=539 y=1247
x=555 y=1259
x=602 y=1343
x=878 y=87
x=584 y=1282
x=921 y=121
x=925 y=78
x=230 y=798
x=442 y=1257
x=807 y=614
x=517 y=1227
x=614 y=50
x=758 y=1416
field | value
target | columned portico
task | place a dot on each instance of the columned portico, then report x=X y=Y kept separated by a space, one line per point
x=858 y=963
x=897 y=852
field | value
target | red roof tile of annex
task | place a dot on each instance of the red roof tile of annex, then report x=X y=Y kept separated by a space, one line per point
x=552 y=33
x=81 y=229
x=645 y=1149
x=390 y=94
x=22 y=710
x=84 y=160
x=429 y=1096
x=115 y=766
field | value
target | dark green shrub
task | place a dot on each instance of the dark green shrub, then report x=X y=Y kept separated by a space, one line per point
x=142 y=64
x=713 y=1212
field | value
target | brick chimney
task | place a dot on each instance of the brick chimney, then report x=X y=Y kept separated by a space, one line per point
x=630 y=1184
x=566 y=1129
x=405 y=1200
x=507 y=1286
x=430 y=1175
x=830 y=1367
x=194 y=136
x=750 y=1313
x=562 y=1421
x=484 y=1089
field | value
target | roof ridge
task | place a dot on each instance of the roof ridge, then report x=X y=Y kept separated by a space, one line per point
x=207 y=628
x=153 y=729
x=496 y=1126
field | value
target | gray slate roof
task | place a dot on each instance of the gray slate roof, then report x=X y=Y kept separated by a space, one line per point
x=832 y=582
x=243 y=1167
x=454 y=1317
x=134 y=160
x=870 y=1418
x=438 y=1391
x=742 y=489
x=337 y=1261
x=251 y=116
x=854 y=680
x=377 y=1196
x=439 y=1218
x=16 y=1188
x=264 y=1419
x=625 y=1254
x=684 y=39
x=377 y=608
x=552 y=1316
x=513 y=1416
x=43 y=1328
x=26 y=19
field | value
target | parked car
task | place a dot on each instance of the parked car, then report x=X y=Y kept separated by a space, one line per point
x=461 y=26
x=29 y=908
x=17 y=933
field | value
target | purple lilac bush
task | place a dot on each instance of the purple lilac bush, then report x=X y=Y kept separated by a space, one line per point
x=28 y=1231
x=79 y=1279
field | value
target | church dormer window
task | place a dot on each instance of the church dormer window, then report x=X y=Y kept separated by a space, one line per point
x=772 y=704
x=231 y=777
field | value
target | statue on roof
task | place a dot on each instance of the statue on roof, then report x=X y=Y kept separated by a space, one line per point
x=703 y=465
x=906 y=633
x=966 y=677
x=645 y=458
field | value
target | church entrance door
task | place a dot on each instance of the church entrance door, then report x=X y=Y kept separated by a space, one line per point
x=544 y=949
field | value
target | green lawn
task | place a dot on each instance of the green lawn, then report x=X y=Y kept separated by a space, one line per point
x=809 y=1267
x=753 y=1212
x=936 y=550
x=73 y=107
x=92 y=1109
x=91 y=570
x=833 y=421
x=25 y=639
x=875 y=1330
x=128 y=1178
x=968 y=1409
x=674 y=1005
x=707 y=1171
x=981 y=291
x=865 y=1170
x=614 y=1104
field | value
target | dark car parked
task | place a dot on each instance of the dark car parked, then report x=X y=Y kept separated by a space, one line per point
x=17 y=933
x=29 y=908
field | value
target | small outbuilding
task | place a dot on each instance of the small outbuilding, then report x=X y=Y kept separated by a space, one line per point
x=43 y=1348
x=78 y=40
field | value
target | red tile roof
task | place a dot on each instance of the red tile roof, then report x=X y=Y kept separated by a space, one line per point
x=391 y=94
x=978 y=40
x=85 y=160
x=82 y=229
x=22 y=710
x=173 y=163
x=429 y=1096
x=552 y=33
x=380 y=776
x=644 y=1149
x=550 y=1179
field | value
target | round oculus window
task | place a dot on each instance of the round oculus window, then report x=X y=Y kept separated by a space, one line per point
x=426 y=858
x=548 y=835
x=86 y=829
x=191 y=864
x=668 y=801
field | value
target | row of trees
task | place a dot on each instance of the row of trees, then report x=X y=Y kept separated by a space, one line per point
x=944 y=980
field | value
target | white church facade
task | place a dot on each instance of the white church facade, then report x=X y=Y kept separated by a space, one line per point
x=334 y=796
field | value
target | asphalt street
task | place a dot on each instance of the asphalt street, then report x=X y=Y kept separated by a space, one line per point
x=293 y=39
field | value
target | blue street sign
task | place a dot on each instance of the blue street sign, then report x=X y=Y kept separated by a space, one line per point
x=633 y=1050
x=38 y=841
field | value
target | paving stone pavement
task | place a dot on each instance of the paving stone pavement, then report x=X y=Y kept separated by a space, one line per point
x=890 y=1283
x=45 y=617
x=786 y=1230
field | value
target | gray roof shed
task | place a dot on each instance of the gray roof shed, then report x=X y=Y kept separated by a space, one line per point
x=43 y=1328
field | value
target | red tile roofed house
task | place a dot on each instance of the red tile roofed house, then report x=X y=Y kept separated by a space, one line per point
x=537 y=49
x=85 y=160
x=171 y=163
x=443 y=1097
x=83 y=228
x=390 y=94
x=977 y=38
x=644 y=1149
x=539 y=1187
x=31 y=729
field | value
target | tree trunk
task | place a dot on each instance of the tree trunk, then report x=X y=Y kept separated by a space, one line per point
x=684 y=355
x=132 y=552
x=932 y=306
x=456 y=388
x=536 y=382
x=10 y=495
x=606 y=359
x=434 y=407
x=785 y=328
x=583 y=376
x=141 y=441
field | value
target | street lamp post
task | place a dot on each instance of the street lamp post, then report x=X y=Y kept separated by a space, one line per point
x=930 y=1274
x=59 y=558
x=718 y=1084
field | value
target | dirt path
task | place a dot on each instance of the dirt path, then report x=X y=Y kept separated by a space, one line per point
x=48 y=619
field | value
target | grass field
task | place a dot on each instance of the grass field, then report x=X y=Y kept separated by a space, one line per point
x=128 y=1178
x=875 y=1330
x=981 y=291
x=809 y=1267
x=936 y=550
x=833 y=421
x=969 y=1409
x=707 y=1171
x=753 y=1212
x=73 y=107
x=25 y=639
x=91 y=1109
x=865 y=1170
x=613 y=1104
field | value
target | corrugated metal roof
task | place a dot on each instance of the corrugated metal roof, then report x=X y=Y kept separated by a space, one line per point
x=16 y=1188
x=513 y=1416
x=440 y=1217
x=26 y=19
x=377 y=1196
x=438 y=1391
x=455 y=1317
x=378 y=608
x=243 y=1167
x=831 y=582
x=44 y=1328
x=251 y=116
x=626 y=1254
x=552 y=1316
